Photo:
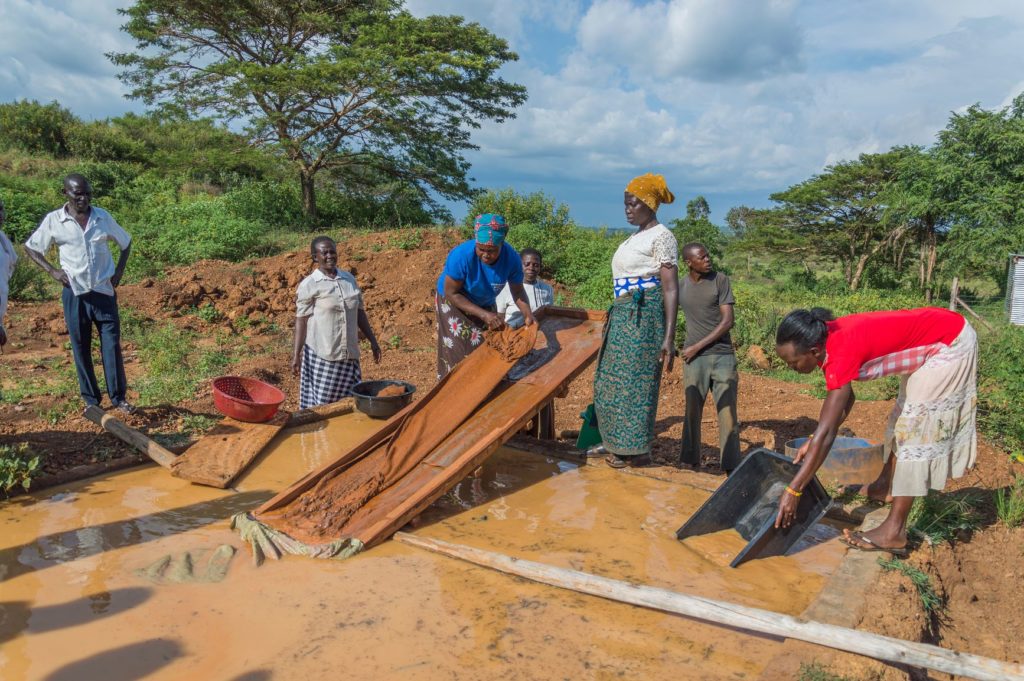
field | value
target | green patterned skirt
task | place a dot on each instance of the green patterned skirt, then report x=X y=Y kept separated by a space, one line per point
x=629 y=373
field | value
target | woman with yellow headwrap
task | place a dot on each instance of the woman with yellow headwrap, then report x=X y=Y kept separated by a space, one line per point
x=639 y=341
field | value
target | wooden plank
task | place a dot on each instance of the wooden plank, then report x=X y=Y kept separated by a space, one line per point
x=225 y=451
x=126 y=433
x=727 y=614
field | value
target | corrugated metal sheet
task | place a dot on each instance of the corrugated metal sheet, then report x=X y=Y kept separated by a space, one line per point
x=1015 y=290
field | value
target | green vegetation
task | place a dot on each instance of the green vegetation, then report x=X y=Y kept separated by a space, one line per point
x=818 y=672
x=18 y=464
x=939 y=518
x=930 y=599
x=1010 y=503
x=175 y=363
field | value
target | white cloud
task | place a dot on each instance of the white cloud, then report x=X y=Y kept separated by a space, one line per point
x=56 y=52
x=706 y=40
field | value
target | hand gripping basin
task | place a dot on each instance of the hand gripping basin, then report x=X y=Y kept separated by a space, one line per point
x=749 y=500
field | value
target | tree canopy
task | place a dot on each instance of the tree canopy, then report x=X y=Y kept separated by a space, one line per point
x=360 y=87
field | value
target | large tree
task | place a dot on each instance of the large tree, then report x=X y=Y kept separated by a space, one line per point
x=982 y=156
x=361 y=87
x=841 y=213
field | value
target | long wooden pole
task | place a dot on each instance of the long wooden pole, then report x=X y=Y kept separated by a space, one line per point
x=729 y=614
x=124 y=432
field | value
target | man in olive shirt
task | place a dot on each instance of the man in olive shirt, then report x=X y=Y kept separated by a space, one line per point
x=709 y=361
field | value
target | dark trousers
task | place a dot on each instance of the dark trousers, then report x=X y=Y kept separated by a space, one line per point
x=80 y=314
x=717 y=373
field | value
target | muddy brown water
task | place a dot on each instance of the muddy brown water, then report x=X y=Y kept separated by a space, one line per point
x=72 y=606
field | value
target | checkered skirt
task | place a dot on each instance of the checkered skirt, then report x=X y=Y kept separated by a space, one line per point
x=323 y=381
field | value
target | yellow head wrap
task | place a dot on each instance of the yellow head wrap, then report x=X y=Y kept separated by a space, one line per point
x=651 y=189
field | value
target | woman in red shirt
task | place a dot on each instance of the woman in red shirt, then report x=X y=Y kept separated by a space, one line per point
x=930 y=436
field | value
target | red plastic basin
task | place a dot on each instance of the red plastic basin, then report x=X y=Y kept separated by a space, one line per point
x=246 y=399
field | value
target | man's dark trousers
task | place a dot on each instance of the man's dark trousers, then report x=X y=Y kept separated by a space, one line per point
x=80 y=313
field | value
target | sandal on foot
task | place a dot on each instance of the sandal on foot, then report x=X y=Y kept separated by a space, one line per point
x=641 y=461
x=595 y=452
x=615 y=461
x=857 y=539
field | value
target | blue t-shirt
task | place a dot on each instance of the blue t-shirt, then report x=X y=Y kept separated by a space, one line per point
x=481 y=283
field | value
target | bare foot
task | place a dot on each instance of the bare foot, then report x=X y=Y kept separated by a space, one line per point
x=876 y=491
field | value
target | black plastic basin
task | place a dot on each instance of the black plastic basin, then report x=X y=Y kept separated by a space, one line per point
x=369 y=403
x=749 y=501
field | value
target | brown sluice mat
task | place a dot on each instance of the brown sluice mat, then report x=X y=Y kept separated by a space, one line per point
x=371 y=490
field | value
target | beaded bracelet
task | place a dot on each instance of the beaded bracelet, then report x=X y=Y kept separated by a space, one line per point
x=790 y=490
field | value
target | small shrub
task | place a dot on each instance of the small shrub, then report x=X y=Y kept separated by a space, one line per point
x=408 y=240
x=938 y=518
x=208 y=313
x=1010 y=503
x=18 y=464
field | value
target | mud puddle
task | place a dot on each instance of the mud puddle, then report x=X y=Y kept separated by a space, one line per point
x=73 y=607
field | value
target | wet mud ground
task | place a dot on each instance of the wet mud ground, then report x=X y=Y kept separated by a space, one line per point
x=74 y=607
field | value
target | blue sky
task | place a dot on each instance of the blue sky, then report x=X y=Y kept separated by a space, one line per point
x=732 y=99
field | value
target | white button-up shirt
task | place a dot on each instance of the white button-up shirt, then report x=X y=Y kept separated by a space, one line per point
x=84 y=254
x=7 y=259
x=333 y=307
x=538 y=295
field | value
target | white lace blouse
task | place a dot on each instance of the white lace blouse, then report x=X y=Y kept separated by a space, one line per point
x=637 y=261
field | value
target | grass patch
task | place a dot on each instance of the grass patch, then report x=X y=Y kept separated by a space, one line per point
x=174 y=365
x=197 y=423
x=18 y=465
x=208 y=313
x=407 y=239
x=938 y=518
x=1010 y=503
x=930 y=599
x=818 y=672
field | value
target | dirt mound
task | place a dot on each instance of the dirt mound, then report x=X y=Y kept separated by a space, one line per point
x=397 y=278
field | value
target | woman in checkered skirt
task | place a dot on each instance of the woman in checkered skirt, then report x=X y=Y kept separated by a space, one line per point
x=931 y=434
x=329 y=315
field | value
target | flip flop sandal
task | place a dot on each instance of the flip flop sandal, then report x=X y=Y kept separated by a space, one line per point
x=902 y=552
x=596 y=452
x=615 y=461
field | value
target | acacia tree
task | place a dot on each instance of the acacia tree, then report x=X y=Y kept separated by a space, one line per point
x=842 y=212
x=361 y=87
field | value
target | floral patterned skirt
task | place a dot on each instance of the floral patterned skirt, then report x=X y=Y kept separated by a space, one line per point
x=629 y=373
x=458 y=334
x=931 y=430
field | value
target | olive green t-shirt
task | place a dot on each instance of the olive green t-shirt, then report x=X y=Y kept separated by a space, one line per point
x=700 y=301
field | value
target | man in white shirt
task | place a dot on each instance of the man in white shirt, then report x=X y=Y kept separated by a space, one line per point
x=89 y=277
x=537 y=292
x=7 y=259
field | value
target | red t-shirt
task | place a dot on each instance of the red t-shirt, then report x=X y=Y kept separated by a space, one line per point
x=873 y=344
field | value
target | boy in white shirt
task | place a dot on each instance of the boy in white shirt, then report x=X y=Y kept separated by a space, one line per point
x=537 y=292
